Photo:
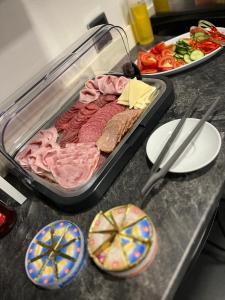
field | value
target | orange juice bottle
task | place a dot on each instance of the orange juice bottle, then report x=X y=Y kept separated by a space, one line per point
x=140 y=22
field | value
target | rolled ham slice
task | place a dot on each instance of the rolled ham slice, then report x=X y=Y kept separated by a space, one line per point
x=102 y=85
x=110 y=84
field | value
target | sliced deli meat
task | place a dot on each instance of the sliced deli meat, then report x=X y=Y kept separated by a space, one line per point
x=105 y=84
x=110 y=84
x=69 y=153
x=93 y=128
x=74 y=165
x=70 y=135
x=70 y=167
x=63 y=120
x=43 y=141
x=116 y=128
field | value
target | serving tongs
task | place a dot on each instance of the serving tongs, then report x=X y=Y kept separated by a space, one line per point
x=205 y=25
x=156 y=172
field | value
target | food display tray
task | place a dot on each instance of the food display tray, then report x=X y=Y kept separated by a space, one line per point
x=93 y=191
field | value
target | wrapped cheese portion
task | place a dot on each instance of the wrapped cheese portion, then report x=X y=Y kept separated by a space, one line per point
x=127 y=246
x=137 y=94
x=56 y=255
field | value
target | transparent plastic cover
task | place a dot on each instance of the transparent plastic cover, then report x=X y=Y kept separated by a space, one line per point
x=95 y=53
x=57 y=88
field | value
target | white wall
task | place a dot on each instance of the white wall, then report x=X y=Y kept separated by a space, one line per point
x=33 y=32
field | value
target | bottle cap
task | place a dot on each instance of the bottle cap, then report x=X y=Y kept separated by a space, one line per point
x=56 y=255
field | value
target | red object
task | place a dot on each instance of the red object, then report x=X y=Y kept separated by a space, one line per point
x=194 y=30
x=160 y=58
x=179 y=63
x=166 y=52
x=149 y=60
x=167 y=63
x=2 y=219
x=159 y=47
x=214 y=33
x=7 y=219
x=207 y=46
x=149 y=71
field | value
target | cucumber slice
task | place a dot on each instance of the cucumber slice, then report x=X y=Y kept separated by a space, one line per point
x=178 y=56
x=187 y=59
x=200 y=36
x=196 y=54
x=181 y=51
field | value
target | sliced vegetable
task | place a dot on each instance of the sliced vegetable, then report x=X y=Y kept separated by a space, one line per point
x=159 y=47
x=179 y=63
x=149 y=60
x=179 y=56
x=165 y=57
x=182 y=48
x=149 y=71
x=207 y=47
x=166 y=63
x=187 y=58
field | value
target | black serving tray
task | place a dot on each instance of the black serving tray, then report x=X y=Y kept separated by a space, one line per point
x=116 y=161
x=51 y=92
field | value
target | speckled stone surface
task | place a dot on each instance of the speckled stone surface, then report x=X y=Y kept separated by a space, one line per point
x=181 y=208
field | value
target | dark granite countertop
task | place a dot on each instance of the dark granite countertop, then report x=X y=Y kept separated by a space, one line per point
x=181 y=208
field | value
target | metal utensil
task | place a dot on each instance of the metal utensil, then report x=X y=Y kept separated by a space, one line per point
x=174 y=135
x=163 y=171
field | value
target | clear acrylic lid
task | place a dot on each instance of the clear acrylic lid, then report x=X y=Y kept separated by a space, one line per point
x=53 y=90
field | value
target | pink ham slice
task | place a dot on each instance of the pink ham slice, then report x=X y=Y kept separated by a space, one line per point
x=70 y=167
x=110 y=84
x=74 y=165
x=45 y=139
x=88 y=95
x=107 y=84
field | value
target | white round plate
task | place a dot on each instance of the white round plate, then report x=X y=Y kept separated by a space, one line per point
x=202 y=150
x=192 y=64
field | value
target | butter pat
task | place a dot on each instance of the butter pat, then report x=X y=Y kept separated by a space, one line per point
x=137 y=94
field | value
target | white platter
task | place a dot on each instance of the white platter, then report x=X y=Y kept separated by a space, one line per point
x=192 y=64
x=202 y=150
